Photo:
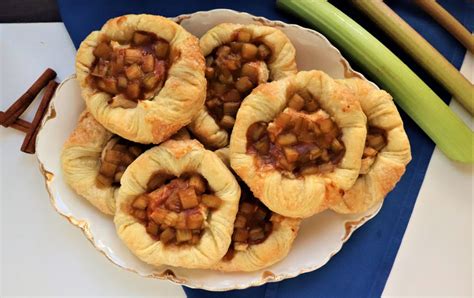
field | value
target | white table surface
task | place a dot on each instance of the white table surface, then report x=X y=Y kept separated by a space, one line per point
x=43 y=255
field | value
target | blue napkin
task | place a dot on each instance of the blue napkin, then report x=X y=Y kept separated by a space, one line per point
x=362 y=267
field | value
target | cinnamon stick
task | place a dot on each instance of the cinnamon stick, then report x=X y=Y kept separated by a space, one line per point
x=19 y=124
x=22 y=103
x=28 y=145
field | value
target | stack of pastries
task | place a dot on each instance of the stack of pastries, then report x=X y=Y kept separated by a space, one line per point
x=210 y=152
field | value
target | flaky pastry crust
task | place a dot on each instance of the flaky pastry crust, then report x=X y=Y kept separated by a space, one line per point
x=309 y=194
x=282 y=64
x=177 y=157
x=390 y=162
x=183 y=93
x=80 y=160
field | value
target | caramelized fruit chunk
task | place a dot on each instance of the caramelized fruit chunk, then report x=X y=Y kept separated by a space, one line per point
x=240 y=235
x=250 y=70
x=296 y=102
x=107 y=169
x=152 y=228
x=148 y=63
x=183 y=235
x=244 y=36
x=168 y=235
x=243 y=84
x=188 y=198
x=211 y=201
x=140 y=38
x=256 y=131
x=173 y=202
x=133 y=90
x=104 y=181
x=231 y=96
x=376 y=141
x=231 y=108
x=249 y=51
x=287 y=139
x=227 y=122
x=161 y=49
x=194 y=221
x=133 y=56
x=141 y=202
x=103 y=50
x=133 y=72
x=198 y=183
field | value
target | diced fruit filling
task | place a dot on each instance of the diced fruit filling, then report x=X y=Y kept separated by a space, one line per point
x=232 y=71
x=136 y=71
x=117 y=155
x=253 y=223
x=302 y=140
x=376 y=140
x=174 y=210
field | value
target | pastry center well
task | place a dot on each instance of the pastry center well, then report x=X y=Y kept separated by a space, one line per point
x=232 y=71
x=116 y=156
x=302 y=140
x=174 y=209
x=253 y=224
x=130 y=72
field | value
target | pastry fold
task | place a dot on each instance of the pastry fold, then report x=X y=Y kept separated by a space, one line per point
x=389 y=164
x=308 y=194
x=154 y=119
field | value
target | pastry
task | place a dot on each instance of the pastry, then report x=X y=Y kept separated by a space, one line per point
x=177 y=206
x=93 y=161
x=261 y=237
x=142 y=77
x=386 y=152
x=298 y=142
x=238 y=58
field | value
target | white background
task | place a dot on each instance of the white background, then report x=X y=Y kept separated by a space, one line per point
x=42 y=254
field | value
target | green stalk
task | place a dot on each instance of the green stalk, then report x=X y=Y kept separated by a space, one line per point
x=423 y=52
x=444 y=127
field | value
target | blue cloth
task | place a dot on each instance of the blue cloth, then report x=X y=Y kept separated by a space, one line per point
x=362 y=267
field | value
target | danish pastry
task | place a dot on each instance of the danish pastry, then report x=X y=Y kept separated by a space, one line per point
x=238 y=58
x=142 y=77
x=177 y=205
x=298 y=142
x=386 y=152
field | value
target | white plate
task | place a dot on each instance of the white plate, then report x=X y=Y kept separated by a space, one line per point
x=320 y=237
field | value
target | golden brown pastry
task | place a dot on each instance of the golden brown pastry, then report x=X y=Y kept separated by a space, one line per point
x=260 y=238
x=238 y=58
x=298 y=141
x=177 y=205
x=93 y=161
x=386 y=152
x=142 y=77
